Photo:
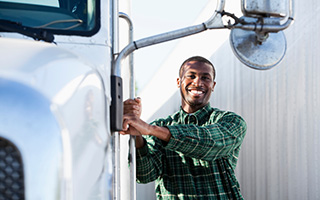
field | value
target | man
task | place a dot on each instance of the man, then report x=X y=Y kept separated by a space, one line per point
x=193 y=153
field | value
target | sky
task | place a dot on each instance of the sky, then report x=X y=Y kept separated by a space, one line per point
x=155 y=17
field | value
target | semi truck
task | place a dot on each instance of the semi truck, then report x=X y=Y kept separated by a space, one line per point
x=63 y=79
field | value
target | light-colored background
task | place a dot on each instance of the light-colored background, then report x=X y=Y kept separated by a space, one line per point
x=154 y=17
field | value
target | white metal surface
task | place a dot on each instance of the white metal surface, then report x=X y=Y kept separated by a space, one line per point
x=74 y=100
x=74 y=76
x=20 y=107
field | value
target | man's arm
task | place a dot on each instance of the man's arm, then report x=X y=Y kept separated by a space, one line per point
x=209 y=142
x=149 y=161
x=133 y=107
x=143 y=128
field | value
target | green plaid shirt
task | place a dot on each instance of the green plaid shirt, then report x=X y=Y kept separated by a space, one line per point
x=199 y=160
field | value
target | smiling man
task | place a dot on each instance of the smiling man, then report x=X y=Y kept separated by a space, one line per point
x=196 y=82
x=191 y=154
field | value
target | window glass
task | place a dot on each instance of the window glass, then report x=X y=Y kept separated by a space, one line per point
x=57 y=16
x=53 y=3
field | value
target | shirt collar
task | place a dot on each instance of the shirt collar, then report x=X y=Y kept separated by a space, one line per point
x=199 y=115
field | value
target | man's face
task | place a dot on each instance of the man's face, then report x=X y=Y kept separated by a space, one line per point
x=196 y=84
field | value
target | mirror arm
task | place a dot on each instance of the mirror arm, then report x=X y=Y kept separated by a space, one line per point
x=149 y=41
x=214 y=22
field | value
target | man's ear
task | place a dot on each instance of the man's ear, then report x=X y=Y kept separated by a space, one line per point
x=178 y=82
x=214 y=84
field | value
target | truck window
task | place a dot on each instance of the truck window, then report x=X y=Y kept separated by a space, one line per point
x=70 y=17
x=53 y=3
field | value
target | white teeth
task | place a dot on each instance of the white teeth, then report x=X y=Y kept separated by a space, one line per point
x=196 y=92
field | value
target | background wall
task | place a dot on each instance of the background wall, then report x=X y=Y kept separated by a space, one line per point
x=280 y=154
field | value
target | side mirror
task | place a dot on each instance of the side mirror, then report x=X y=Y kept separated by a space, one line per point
x=258 y=40
x=258 y=8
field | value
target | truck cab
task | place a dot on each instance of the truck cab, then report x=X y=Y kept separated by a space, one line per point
x=55 y=135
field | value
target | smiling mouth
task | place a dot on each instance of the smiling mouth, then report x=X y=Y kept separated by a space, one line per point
x=196 y=92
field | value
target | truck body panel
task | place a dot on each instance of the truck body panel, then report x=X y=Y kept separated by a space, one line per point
x=54 y=103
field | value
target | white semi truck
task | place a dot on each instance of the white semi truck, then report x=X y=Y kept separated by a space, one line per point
x=61 y=91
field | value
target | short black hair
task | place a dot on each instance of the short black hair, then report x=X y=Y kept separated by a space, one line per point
x=198 y=59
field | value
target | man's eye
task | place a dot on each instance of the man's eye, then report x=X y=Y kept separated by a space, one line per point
x=205 y=78
x=191 y=76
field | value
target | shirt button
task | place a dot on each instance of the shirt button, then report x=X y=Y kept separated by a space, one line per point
x=192 y=119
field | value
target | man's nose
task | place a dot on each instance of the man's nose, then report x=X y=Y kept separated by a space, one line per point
x=197 y=81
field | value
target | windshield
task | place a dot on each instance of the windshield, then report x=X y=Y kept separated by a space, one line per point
x=76 y=17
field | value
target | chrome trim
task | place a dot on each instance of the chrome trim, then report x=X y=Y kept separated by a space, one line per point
x=132 y=143
x=115 y=135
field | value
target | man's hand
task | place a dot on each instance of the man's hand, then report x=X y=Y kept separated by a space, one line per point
x=132 y=106
x=133 y=125
x=144 y=128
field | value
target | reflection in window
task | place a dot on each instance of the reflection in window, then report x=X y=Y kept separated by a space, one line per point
x=52 y=3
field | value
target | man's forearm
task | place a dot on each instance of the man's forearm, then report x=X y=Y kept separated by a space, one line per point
x=162 y=133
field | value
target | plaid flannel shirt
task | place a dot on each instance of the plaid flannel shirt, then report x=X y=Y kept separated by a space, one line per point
x=199 y=160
